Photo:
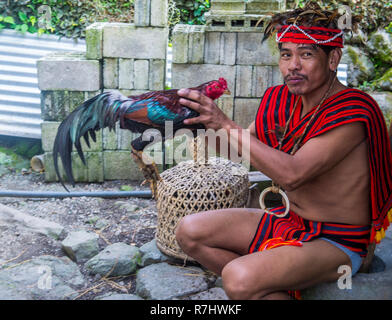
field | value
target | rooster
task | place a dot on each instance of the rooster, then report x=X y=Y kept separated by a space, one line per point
x=135 y=113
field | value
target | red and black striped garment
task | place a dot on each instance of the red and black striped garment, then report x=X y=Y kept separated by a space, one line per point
x=344 y=107
x=292 y=226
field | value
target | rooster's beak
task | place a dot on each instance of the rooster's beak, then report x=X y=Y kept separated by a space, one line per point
x=227 y=91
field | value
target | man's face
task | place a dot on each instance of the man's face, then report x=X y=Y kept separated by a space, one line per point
x=304 y=67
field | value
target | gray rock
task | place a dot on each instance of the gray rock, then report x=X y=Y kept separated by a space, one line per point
x=81 y=245
x=384 y=252
x=359 y=66
x=385 y=81
x=380 y=44
x=41 y=278
x=165 y=282
x=101 y=223
x=371 y=286
x=211 y=294
x=26 y=222
x=119 y=296
x=151 y=254
x=355 y=38
x=118 y=259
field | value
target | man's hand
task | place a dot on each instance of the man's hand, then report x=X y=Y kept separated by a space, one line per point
x=210 y=115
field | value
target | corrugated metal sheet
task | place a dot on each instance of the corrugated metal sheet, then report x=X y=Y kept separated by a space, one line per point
x=20 y=111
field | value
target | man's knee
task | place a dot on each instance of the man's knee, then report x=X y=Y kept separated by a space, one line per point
x=188 y=233
x=238 y=282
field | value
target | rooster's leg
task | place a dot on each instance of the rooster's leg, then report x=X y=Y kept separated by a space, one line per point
x=150 y=171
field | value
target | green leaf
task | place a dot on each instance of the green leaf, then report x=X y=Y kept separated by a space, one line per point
x=126 y=188
x=24 y=28
x=22 y=16
x=9 y=20
x=32 y=20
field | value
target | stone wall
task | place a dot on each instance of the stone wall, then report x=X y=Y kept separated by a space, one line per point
x=130 y=58
x=229 y=46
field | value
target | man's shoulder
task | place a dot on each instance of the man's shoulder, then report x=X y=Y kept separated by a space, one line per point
x=355 y=96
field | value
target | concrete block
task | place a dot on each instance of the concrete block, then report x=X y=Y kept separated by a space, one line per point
x=60 y=104
x=180 y=40
x=109 y=138
x=157 y=74
x=93 y=172
x=124 y=139
x=228 y=7
x=142 y=12
x=226 y=104
x=250 y=51
x=48 y=111
x=158 y=16
x=243 y=86
x=76 y=98
x=68 y=71
x=245 y=110
x=243 y=23
x=191 y=75
x=120 y=139
x=141 y=71
x=110 y=73
x=228 y=48
x=95 y=166
x=263 y=6
x=196 y=44
x=212 y=48
x=49 y=131
x=119 y=165
x=56 y=105
x=263 y=77
x=124 y=40
x=125 y=73
x=94 y=40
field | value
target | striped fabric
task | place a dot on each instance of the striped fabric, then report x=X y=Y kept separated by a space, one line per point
x=344 y=107
x=292 y=226
x=318 y=33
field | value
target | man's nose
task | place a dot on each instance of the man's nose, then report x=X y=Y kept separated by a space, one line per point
x=295 y=63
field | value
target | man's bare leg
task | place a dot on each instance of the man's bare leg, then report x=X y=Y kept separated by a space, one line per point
x=269 y=274
x=214 y=238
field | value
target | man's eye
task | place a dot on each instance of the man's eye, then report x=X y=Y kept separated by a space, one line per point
x=307 y=54
x=285 y=55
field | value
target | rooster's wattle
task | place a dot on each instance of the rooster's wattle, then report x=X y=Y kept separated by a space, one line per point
x=135 y=113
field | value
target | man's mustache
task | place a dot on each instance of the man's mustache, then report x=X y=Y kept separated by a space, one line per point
x=295 y=75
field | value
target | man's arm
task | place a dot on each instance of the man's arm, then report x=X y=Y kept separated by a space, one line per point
x=315 y=157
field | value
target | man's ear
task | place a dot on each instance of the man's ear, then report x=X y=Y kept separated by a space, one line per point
x=334 y=58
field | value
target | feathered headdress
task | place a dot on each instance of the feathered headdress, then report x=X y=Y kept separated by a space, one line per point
x=310 y=24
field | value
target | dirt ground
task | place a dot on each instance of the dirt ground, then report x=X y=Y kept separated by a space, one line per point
x=129 y=220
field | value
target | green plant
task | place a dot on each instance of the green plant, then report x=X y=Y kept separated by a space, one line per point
x=388 y=28
x=192 y=12
x=65 y=18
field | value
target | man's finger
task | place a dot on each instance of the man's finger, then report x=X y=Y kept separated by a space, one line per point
x=191 y=104
x=192 y=95
x=191 y=121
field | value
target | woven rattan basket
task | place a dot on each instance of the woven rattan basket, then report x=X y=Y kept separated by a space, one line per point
x=191 y=187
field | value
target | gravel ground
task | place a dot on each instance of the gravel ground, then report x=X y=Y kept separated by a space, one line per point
x=129 y=220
